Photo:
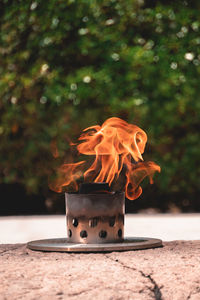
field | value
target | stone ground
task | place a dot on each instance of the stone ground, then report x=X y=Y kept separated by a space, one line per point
x=168 y=273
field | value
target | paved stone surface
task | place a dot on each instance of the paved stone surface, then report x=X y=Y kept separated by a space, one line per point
x=168 y=273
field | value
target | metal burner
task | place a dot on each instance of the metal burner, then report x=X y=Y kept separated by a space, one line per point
x=95 y=218
x=95 y=223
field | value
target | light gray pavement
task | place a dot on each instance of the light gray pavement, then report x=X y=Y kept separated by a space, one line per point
x=168 y=227
x=168 y=273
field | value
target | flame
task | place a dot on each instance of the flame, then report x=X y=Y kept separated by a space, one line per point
x=116 y=145
x=68 y=174
x=54 y=149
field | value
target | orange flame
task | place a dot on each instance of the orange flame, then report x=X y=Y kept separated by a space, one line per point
x=54 y=149
x=116 y=144
x=67 y=175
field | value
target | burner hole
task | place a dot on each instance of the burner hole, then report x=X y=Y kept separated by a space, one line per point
x=69 y=232
x=102 y=234
x=75 y=222
x=93 y=222
x=119 y=233
x=111 y=221
x=83 y=234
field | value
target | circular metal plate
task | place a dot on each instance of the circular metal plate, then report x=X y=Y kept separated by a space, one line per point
x=63 y=245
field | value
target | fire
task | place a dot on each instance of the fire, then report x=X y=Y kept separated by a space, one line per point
x=68 y=174
x=116 y=146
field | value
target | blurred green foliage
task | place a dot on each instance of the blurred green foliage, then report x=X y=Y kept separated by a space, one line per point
x=67 y=64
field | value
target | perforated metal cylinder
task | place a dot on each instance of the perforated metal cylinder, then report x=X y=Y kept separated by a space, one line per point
x=95 y=218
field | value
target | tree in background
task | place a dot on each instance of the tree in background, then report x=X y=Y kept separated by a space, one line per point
x=66 y=65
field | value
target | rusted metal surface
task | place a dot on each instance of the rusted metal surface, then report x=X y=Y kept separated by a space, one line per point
x=95 y=218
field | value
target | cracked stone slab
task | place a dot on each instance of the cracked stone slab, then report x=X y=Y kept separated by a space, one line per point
x=168 y=273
